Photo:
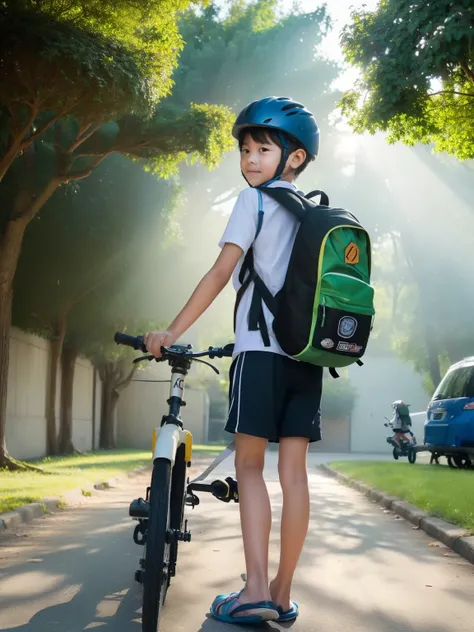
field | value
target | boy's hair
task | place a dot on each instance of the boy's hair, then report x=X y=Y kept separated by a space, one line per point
x=262 y=134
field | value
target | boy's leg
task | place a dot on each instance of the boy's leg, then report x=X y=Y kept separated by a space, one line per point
x=300 y=424
x=255 y=515
x=295 y=516
x=257 y=396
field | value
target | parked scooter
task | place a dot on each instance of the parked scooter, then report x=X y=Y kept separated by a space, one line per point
x=406 y=447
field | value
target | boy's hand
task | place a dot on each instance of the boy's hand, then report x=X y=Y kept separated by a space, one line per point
x=157 y=339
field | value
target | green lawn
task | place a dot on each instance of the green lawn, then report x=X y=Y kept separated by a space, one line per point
x=444 y=492
x=65 y=473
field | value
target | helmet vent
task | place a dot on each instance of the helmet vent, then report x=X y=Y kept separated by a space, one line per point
x=292 y=113
x=266 y=121
x=290 y=106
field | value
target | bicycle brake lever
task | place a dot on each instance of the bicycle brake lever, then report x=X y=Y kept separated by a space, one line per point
x=208 y=364
x=147 y=357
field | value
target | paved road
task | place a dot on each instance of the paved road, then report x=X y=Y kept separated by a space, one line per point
x=362 y=570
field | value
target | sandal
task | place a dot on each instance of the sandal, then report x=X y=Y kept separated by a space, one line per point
x=288 y=615
x=227 y=608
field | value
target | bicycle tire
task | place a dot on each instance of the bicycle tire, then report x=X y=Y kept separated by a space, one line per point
x=155 y=575
x=178 y=490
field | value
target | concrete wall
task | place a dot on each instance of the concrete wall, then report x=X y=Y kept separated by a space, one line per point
x=142 y=405
x=382 y=380
x=26 y=399
x=336 y=436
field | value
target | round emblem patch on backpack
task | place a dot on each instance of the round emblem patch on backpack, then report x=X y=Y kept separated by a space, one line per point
x=327 y=343
x=347 y=327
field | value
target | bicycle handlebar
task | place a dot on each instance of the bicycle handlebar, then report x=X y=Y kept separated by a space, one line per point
x=175 y=351
x=136 y=342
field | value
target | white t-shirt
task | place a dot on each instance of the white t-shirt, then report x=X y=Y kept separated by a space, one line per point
x=272 y=250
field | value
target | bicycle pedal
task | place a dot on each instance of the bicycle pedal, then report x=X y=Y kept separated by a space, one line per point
x=173 y=535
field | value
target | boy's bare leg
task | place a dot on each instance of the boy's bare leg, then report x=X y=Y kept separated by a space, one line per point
x=295 y=515
x=255 y=515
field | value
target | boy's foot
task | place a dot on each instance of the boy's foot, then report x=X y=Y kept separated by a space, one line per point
x=281 y=599
x=290 y=614
x=229 y=609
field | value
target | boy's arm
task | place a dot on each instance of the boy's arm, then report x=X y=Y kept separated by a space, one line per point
x=210 y=286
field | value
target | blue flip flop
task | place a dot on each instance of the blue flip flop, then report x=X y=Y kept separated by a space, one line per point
x=227 y=608
x=288 y=615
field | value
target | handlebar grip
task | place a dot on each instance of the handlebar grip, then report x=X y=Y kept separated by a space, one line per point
x=136 y=342
x=228 y=350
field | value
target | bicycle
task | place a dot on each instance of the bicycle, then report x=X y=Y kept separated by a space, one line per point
x=160 y=514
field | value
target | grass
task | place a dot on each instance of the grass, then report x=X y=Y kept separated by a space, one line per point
x=65 y=473
x=443 y=492
x=207 y=450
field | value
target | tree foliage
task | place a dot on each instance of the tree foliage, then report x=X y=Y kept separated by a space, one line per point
x=146 y=28
x=88 y=233
x=417 y=73
x=83 y=80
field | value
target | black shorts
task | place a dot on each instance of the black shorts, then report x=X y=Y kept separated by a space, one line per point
x=272 y=396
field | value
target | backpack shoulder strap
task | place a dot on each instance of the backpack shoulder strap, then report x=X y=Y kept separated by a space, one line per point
x=256 y=317
x=324 y=198
x=297 y=204
x=291 y=200
x=259 y=214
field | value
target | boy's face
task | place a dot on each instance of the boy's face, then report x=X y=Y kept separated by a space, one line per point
x=259 y=161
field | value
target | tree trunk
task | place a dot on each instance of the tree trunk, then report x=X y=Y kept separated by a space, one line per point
x=68 y=364
x=10 y=247
x=110 y=398
x=16 y=145
x=55 y=351
x=113 y=381
x=5 y=316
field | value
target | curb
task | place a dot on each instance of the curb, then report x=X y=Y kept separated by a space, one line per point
x=27 y=513
x=454 y=537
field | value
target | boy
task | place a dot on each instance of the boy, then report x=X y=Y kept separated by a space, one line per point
x=272 y=396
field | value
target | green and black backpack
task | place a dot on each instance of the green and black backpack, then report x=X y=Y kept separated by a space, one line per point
x=323 y=314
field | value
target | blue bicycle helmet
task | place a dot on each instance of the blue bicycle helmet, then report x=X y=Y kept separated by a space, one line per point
x=285 y=115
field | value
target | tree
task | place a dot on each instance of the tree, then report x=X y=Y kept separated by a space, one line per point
x=417 y=73
x=85 y=234
x=119 y=306
x=146 y=27
x=83 y=97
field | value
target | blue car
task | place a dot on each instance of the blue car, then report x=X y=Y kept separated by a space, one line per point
x=449 y=429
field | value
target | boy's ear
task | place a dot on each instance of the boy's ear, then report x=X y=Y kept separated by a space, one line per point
x=297 y=158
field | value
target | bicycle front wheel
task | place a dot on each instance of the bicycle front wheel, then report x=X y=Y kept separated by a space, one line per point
x=155 y=576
